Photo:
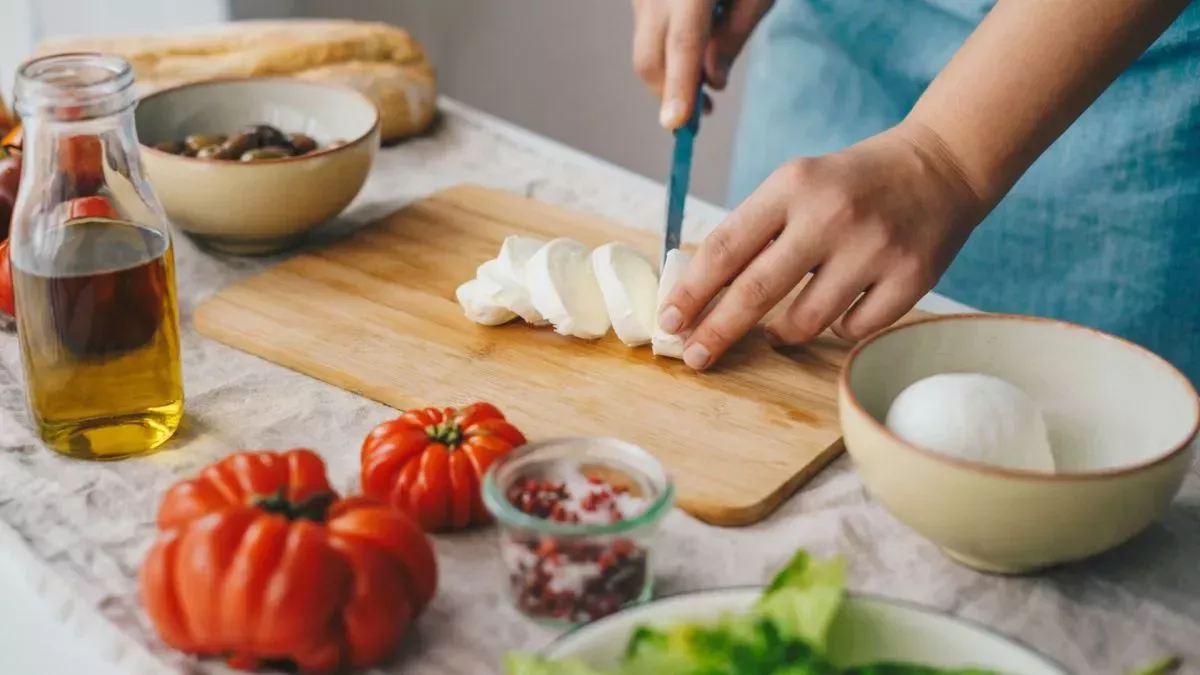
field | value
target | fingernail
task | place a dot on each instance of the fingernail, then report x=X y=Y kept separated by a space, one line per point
x=672 y=113
x=696 y=356
x=671 y=319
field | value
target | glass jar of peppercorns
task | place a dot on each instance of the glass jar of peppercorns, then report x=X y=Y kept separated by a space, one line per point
x=578 y=518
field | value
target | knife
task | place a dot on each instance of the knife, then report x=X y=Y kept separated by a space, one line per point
x=681 y=164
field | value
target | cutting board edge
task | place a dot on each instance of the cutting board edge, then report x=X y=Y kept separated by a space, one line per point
x=728 y=516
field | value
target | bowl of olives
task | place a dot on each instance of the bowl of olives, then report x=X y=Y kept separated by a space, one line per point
x=251 y=143
x=250 y=166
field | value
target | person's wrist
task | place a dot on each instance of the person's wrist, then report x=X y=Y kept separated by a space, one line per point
x=976 y=191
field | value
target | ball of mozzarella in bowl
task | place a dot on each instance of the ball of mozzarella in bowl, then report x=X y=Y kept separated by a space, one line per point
x=974 y=417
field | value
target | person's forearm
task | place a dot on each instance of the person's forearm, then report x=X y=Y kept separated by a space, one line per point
x=1026 y=73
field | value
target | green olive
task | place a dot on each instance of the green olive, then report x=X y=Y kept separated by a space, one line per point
x=211 y=152
x=173 y=147
x=198 y=141
x=260 y=154
x=303 y=143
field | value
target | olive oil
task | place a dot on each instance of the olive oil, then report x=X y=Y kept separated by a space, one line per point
x=98 y=324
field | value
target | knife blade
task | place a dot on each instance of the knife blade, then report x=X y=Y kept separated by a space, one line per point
x=681 y=163
x=677 y=184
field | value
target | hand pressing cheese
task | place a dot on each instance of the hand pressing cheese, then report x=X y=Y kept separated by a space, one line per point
x=563 y=288
x=975 y=417
x=662 y=342
x=629 y=285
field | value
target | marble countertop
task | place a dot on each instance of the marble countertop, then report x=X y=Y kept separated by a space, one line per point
x=77 y=531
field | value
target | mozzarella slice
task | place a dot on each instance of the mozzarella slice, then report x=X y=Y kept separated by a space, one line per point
x=563 y=289
x=514 y=255
x=662 y=342
x=513 y=294
x=629 y=286
x=482 y=302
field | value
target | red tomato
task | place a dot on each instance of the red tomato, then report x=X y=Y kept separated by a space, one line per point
x=13 y=138
x=258 y=560
x=10 y=182
x=96 y=206
x=431 y=462
x=7 y=302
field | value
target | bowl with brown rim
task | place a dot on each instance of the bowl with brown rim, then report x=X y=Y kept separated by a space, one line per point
x=257 y=207
x=1122 y=425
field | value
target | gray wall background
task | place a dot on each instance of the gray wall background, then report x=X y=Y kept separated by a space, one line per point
x=558 y=67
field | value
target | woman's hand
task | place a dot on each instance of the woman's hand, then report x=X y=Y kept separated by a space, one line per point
x=884 y=217
x=675 y=45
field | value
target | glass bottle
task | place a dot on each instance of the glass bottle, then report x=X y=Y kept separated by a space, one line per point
x=93 y=266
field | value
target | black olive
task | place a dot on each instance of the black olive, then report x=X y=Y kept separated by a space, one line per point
x=239 y=144
x=267 y=135
x=302 y=143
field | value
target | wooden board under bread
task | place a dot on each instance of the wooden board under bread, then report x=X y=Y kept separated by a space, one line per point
x=376 y=314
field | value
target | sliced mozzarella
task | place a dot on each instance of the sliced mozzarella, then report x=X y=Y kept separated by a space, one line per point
x=514 y=255
x=513 y=293
x=662 y=342
x=482 y=302
x=629 y=285
x=563 y=288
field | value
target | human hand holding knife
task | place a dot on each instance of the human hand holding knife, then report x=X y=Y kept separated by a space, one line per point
x=681 y=160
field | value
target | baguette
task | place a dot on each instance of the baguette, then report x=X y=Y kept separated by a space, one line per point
x=382 y=61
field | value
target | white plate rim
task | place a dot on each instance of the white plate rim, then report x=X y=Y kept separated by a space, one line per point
x=1049 y=661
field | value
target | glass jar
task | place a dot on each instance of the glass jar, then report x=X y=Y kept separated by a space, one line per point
x=578 y=520
x=93 y=266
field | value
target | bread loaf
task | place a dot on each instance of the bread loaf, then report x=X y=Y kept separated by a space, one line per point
x=382 y=61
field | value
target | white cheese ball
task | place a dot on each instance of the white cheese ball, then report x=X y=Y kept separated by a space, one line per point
x=975 y=417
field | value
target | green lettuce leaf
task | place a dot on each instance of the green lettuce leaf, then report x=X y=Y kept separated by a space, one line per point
x=785 y=633
x=804 y=598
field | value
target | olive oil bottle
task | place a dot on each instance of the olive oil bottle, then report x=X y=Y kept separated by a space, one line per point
x=93 y=267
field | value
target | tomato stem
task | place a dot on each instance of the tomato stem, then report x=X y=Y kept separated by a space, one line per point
x=448 y=433
x=314 y=508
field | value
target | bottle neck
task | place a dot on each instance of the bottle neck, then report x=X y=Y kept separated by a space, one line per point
x=80 y=155
x=74 y=88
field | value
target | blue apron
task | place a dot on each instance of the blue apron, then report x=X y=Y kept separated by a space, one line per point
x=1103 y=230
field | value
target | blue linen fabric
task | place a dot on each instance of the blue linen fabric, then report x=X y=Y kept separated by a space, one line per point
x=1103 y=230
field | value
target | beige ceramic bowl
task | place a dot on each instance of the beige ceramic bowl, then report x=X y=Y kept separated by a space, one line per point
x=259 y=207
x=1122 y=424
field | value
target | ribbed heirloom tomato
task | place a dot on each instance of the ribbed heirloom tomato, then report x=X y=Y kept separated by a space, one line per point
x=431 y=462
x=259 y=561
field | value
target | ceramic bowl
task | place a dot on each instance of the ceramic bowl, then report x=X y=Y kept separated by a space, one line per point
x=257 y=207
x=1122 y=424
x=867 y=630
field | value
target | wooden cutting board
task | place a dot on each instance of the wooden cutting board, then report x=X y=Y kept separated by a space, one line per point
x=376 y=314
